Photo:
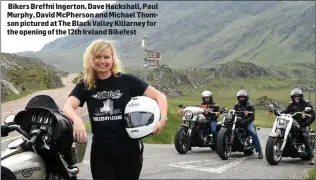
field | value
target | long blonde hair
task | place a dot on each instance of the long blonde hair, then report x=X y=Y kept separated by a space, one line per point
x=89 y=74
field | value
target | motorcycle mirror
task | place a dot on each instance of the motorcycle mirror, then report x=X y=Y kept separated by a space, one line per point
x=271 y=106
x=308 y=109
x=9 y=119
x=180 y=105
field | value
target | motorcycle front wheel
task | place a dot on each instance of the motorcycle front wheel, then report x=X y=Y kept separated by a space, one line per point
x=7 y=174
x=273 y=150
x=223 y=144
x=181 y=140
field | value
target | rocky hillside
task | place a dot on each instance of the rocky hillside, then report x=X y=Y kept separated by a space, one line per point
x=21 y=75
x=213 y=32
x=231 y=75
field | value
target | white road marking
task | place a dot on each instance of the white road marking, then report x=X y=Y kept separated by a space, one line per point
x=219 y=170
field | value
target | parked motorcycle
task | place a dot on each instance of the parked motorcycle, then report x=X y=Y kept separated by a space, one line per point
x=232 y=137
x=195 y=130
x=46 y=149
x=286 y=141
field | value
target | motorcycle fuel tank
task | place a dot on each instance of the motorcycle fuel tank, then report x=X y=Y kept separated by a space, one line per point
x=26 y=165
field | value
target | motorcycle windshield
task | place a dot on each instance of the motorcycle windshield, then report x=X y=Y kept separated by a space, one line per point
x=42 y=101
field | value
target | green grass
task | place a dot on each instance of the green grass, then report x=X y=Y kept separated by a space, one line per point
x=225 y=98
x=311 y=174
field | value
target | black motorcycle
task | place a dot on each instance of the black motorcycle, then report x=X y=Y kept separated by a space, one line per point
x=232 y=137
x=195 y=130
x=46 y=149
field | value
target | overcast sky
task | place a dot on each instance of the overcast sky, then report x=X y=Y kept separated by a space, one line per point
x=18 y=43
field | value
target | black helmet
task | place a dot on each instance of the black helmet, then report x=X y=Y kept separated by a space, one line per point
x=297 y=92
x=243 y=93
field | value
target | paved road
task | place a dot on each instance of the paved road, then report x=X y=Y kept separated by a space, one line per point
x=60 y=96
x=163 y=162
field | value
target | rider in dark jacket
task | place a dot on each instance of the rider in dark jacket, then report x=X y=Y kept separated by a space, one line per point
x=298 y=104
x=244 y=105
x=209 y=104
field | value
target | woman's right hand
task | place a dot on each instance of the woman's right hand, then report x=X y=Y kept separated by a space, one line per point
x=80 y=133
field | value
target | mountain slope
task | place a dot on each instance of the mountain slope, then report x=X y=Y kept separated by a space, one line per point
x=265 y=33
x=229 y=76
x=22 y=75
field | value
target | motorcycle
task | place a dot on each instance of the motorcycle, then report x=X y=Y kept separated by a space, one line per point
x=232 y=137
x=45 y=149
x=195 y=130
x=284 y=140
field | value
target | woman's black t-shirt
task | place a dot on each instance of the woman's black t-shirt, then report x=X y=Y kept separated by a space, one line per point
x=106 y=104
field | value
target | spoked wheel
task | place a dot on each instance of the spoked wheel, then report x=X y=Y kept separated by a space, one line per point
x=223 y=144
x=273 y=150
x=182 y=141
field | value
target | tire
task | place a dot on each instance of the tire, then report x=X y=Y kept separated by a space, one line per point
x=221 y=144
x=177 y=139
x=7 y=174
x=270 y=152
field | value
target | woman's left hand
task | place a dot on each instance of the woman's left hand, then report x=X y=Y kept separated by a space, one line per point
x=159 y=127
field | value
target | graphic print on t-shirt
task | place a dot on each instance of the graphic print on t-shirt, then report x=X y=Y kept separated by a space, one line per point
x=106 y=111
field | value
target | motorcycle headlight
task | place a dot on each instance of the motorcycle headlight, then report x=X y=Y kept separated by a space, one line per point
x=188 y=114
x=281 y=122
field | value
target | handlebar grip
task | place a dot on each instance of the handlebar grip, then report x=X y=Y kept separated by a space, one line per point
x=33 y=140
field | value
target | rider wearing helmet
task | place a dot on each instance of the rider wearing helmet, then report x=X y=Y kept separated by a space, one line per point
x=298 y=104
x=243 y=104
x=209 y=104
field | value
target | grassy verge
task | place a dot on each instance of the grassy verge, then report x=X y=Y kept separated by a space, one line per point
x=311 y=174
x=225 y=98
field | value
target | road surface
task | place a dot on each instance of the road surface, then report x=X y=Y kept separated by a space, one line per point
x=60 y=96
x=163 y=162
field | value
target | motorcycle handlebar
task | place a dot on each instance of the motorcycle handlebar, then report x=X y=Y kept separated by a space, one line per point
x=33 y=140
x=278 y=113
x=249 y=112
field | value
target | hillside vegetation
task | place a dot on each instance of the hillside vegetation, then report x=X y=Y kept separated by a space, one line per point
x=265 y=85
x=23 y=75
x=207 y=33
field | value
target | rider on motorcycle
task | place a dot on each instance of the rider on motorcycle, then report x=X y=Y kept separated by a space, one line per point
x=209 y=104
x=298 y=104
x=244 y=105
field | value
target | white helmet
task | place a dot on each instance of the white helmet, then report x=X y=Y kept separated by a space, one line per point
x=206 y=94
x=141 y=116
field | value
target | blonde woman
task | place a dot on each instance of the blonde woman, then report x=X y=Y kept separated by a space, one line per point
x=107 y=90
